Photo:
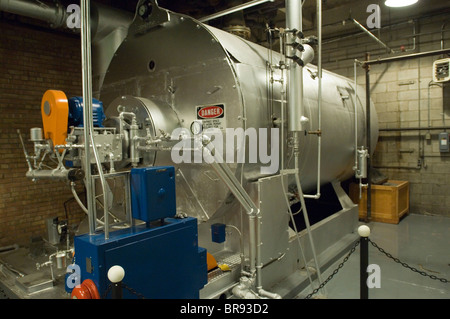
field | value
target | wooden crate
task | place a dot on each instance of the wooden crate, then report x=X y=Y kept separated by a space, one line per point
x=389 y=202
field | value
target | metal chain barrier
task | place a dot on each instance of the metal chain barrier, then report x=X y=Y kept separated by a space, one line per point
x=315 y=291
x=108 y=289
x=423 y=273
x=134 y=292
x=334 y=272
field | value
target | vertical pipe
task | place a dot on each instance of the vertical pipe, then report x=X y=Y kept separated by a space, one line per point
x=282 y=98
x=258 y=252
x=319 y=92
x=87 y=108
x=368 y=137
x=356 y=116
x=86 y=63
x=295 y=88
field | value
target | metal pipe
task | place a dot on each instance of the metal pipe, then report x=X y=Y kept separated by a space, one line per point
x=406 y=57
x=430 y=84
x=396 y=129
x=234 y=9
x=295 y=89
x=442 y=35
x=419 y=148
x=88 y=121
x=319 y=70
x=283 y=99
x=241 y=245
x=87 y=105
x=356 y=114
x=353 y=35
x=368 y=142
x=56 y=174
x=227 y=176
x=372 y=36
x=399 y=167
x=319 y=98
x=55 y=14
x=77 y=199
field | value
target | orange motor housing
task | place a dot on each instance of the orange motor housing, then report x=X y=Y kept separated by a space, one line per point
x=55 y=116
x=87 y=290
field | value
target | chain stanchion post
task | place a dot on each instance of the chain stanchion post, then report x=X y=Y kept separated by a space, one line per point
x=364 y=232
x=115 y=275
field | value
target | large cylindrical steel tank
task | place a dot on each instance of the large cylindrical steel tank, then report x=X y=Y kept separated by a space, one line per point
x=166 y=71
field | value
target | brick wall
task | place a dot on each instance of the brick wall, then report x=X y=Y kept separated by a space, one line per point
x=400 y=93
x=32 y=60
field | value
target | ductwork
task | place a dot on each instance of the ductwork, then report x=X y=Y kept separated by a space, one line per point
x=55 y=15
x=109 y=28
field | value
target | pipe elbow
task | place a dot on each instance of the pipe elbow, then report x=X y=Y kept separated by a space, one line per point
x=268 y=294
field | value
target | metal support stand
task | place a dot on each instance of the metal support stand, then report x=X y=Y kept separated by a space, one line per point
x=115 y=275
x=364 y=233
x=116 y=292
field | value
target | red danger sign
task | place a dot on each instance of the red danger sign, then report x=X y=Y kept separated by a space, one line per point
x=210 y=112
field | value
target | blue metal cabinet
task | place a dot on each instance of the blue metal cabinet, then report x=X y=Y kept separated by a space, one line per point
x=160 y=262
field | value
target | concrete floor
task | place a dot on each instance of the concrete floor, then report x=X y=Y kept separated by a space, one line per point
x=422 y=242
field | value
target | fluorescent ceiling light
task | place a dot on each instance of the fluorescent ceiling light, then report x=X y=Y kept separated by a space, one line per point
x=399 y=3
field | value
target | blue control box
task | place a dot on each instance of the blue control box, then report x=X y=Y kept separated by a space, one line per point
x=160 y=261
x=153 y=192
x=218 y=233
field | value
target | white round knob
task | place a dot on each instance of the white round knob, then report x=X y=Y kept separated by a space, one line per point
x=364 y=231
x=116 y=274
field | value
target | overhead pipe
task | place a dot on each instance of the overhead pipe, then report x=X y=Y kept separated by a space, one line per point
x=407 y=57
x=233 y=10
x=372 y=36
x=56 y=14
x=104 y=19
x=399 y=129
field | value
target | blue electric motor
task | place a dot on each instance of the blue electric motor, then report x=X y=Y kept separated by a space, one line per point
x=76 y=112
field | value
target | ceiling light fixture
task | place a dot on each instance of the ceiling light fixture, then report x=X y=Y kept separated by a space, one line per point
x=399 y=3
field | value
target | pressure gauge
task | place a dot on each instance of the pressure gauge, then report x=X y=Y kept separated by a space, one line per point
x=196 y=127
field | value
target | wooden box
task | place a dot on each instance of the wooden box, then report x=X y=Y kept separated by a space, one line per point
x=389 y=201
